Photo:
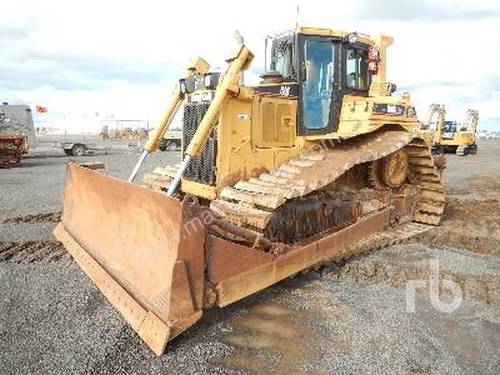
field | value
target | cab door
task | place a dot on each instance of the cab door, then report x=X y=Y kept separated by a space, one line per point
x=319 y=85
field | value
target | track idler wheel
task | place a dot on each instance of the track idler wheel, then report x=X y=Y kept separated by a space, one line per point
x=390 y=171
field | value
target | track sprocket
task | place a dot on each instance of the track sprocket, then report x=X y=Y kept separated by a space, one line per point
x=390 y=171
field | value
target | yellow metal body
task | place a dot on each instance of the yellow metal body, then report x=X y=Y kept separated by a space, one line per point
x=256 y=132
x=467 y=134
x=157 y=257
x=238 y=62
x=463 y=138
x=433 y=134
x=459 y=139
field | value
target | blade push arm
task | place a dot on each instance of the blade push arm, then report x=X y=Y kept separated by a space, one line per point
x=237 y=63
x=197 y=66
x=164 y=122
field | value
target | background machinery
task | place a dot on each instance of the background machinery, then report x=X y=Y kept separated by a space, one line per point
x=171 y=141
x=427 y=131
x=274 y=179
x=428 y=128
x=17 y=133
x=450 y=136
x=467 y=135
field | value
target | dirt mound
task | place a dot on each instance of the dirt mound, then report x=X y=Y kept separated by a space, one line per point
x=468 y=224
x=31 y=251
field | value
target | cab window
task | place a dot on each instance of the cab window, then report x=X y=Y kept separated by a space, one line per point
x=317 y=89
x=450 y=126
x=282 y=58
x=357 y=74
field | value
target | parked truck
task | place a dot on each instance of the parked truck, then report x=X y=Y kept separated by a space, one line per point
x=171 y=141
x=17 y=133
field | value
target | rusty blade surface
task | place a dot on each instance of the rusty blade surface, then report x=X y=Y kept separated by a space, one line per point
x=128 y=240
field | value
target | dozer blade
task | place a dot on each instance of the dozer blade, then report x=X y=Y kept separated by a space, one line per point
x=142 y=248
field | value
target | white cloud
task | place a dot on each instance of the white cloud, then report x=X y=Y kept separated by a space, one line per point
x=121 y=58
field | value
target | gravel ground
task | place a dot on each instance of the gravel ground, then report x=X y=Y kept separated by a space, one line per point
x=36 y=187
x=312 y=324
x=348 y=318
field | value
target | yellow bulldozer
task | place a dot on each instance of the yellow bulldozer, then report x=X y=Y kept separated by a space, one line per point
x=450 y=136
x=446 y=136
x=274 y=179
x=428 y=128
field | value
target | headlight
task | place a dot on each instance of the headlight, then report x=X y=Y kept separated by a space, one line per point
x=199 y=83
x=186 y=85
x=182 y=86
x=211 y=80
x=208 y=80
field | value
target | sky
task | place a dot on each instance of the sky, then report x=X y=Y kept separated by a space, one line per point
x=94 y=60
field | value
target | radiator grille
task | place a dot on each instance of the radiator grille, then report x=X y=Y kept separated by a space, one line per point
x=202 y=168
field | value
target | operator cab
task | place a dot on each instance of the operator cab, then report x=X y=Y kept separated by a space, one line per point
x=449 y=129
x=319 y=70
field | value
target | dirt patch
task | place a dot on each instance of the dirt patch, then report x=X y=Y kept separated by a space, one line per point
x=484 y=288
x=280 y=334
x=472 y=217
x=485 y=185
x=52 y=217
x=32 y=251
x=468 y=224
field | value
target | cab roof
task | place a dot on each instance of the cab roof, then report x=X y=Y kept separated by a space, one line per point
x=331 y=32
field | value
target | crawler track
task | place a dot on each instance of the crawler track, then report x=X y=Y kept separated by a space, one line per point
x=393 y=236
x=253 y=203
x=256 y=203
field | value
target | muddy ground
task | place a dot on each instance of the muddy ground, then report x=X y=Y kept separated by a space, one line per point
x=349 y=317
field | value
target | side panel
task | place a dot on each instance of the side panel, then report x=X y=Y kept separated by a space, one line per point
x=11 y=149
x=273 y=122
x=239 y=156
